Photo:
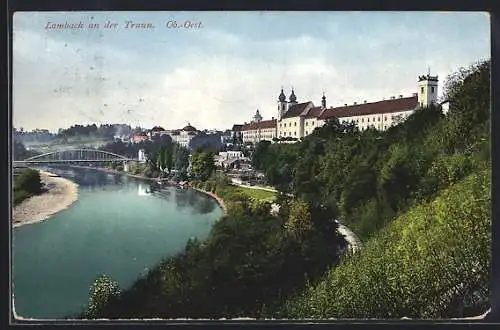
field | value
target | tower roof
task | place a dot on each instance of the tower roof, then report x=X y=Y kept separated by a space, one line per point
x=292 y=97
x=189 y=128
x=427 y=77
x=282 y=97
x=257 y=116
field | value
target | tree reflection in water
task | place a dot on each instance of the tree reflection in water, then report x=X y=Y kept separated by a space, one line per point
x=194 y=200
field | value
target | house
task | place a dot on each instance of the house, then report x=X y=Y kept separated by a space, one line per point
x=139 y=137
x=184 y=135
x=258 y=130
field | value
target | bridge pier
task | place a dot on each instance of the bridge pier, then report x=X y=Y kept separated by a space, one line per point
x=125 y=166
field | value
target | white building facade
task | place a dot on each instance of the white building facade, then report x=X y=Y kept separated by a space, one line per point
x=297 y=120
x=258 y=130
x=184 y=136
x=300 y=119
x=142 y=156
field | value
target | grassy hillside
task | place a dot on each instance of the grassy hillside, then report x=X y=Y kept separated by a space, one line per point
x=431 y=262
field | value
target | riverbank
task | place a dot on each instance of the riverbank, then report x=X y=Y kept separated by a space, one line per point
x=137 y=176
x=217 y=198
x=60 y=194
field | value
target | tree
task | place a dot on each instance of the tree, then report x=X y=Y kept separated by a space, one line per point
x=102 y=291
x=299 y=220
x=260 y=153
x=181 y=158
x=203 y=164
x=164 y=158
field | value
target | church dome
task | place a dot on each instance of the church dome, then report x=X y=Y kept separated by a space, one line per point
x=293 y=98
x=282 y=97
x=157 y=129
x=189 y=128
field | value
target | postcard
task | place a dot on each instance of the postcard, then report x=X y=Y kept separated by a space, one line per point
x=251 y=165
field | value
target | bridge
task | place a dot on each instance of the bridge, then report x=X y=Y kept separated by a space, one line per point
x=76 y=156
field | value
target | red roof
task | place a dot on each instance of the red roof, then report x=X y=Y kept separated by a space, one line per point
x=386 y=106
x=314 y=112
x=295 y=110
x=260 y=125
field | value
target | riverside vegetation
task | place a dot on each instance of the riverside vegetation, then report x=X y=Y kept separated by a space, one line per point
x=26 y=183
x=417 y=194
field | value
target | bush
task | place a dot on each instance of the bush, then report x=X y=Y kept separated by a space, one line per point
x=29 y=180
x=25 y=185
x=102 y=292
x=19 y=196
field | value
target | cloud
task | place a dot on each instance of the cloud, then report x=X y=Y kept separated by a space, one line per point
x=220 y=79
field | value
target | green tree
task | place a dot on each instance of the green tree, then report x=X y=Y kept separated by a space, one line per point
x=203 y=164
x=181 y=158
x=299 y=220
x=102 y=292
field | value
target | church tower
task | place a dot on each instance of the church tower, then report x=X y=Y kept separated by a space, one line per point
x=427 y=90
x=257 y=118
x=323 y=101
x=292 y=99
x=281 y=105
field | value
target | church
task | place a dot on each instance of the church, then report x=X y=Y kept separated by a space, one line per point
x=296 y=120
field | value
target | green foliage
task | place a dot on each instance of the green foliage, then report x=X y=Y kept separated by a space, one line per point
x=368 y=177
x=102 y=292
x=299 y=220
x=203 y=164
x=431 y=262
x=248 y=265
x=26 y=184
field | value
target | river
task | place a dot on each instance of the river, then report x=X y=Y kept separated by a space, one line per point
x=119 y=226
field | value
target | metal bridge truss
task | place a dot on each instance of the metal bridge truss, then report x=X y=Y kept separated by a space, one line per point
x=77 y=155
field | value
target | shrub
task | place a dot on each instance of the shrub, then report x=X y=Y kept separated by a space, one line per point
x=102 y=292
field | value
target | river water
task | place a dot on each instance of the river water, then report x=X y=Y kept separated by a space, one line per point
x=119 y=226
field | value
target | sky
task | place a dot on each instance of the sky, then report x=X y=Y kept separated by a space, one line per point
x=219 y=73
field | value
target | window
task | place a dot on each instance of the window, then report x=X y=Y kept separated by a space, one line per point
x=295 y=124
x=306 y=123
x=284 y=125
x=312 y=123
x=362 y=120
x=422 y=90
x=385 y=117
x=280 y=124
x=368 y=119
x=378 y=119
x=306 y=132
x=295 y=133
x=432 y=89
